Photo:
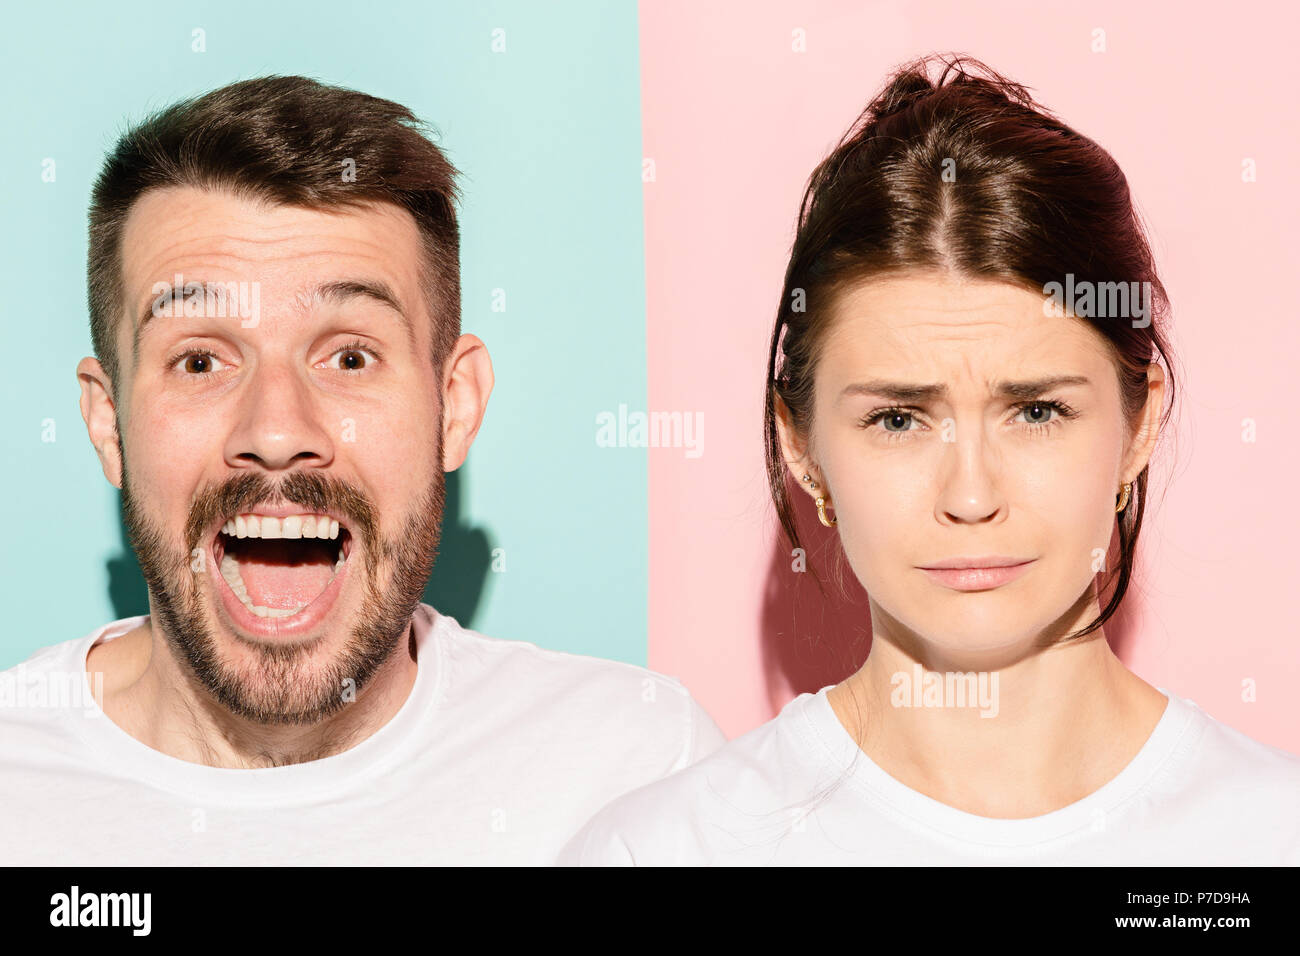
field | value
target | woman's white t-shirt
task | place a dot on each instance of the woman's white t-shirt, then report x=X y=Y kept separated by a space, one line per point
x=799 y=791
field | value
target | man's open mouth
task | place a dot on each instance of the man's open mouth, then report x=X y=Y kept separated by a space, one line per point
x=277 y=566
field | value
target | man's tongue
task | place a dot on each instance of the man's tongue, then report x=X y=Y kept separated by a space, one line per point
x=279 y=574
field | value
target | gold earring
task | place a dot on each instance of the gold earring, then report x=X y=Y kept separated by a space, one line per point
x=1125 y=490
x=821 y=514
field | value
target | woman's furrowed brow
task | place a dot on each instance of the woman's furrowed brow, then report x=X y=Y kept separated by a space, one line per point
x=909 y=392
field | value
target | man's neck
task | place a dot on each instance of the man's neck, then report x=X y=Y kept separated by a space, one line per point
x=150 y=696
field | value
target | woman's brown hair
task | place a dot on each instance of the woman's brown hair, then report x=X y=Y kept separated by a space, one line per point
x=966 y=175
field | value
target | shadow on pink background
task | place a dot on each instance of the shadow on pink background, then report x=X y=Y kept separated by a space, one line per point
x=734 y=120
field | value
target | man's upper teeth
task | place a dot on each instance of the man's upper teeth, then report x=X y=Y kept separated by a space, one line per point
x=294 y=526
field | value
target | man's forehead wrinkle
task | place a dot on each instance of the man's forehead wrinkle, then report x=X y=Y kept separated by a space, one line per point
x=211 y=248
x=288 y=257
x=299 y=238
x=228 y=266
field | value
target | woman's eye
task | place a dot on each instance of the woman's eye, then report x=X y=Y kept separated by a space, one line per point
x=1038 y=413
x=198 y=363
x=896 y=421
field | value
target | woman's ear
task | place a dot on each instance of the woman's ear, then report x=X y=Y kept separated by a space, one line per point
x=1148 y=427
x=794 y=450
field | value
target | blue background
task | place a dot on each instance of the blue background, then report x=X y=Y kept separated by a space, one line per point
x=547 y=137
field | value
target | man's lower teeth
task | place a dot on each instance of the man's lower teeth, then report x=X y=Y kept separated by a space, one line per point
x=272 y=611
x=230 y=571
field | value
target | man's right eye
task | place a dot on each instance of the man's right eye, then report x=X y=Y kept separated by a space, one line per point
x=196 y=363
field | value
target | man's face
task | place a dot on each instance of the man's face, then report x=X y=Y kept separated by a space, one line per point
x=283 y=470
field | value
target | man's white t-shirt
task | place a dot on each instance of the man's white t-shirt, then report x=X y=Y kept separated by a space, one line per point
x=799 y=791
x=499 y=754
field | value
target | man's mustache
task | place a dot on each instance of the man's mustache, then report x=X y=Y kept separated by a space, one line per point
x=313 y=492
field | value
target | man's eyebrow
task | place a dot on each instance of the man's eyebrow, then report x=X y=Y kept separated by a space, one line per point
x=337 y=291
x=341 y=290
x=908 y=392
x=157 y=299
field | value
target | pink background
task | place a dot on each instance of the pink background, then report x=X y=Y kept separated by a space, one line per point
x=735 y=121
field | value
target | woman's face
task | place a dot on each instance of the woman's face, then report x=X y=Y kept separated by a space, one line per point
x=975 y=469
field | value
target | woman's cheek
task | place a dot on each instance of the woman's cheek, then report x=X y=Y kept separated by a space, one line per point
x=871 y=532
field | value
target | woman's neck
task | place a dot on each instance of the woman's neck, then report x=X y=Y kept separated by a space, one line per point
x=1030 y=737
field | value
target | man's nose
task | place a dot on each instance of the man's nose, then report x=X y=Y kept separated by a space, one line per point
x=279 y=423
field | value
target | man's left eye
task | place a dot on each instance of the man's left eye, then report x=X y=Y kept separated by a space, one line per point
x=352 y=359
x=197 y=363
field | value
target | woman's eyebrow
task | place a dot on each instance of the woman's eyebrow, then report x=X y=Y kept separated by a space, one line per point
x=908 y=392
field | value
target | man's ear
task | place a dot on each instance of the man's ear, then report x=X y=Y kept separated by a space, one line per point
x=467 y=383
x=100 y=415
x=794 y=450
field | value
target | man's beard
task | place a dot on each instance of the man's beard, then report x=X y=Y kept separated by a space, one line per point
x=283 y=685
